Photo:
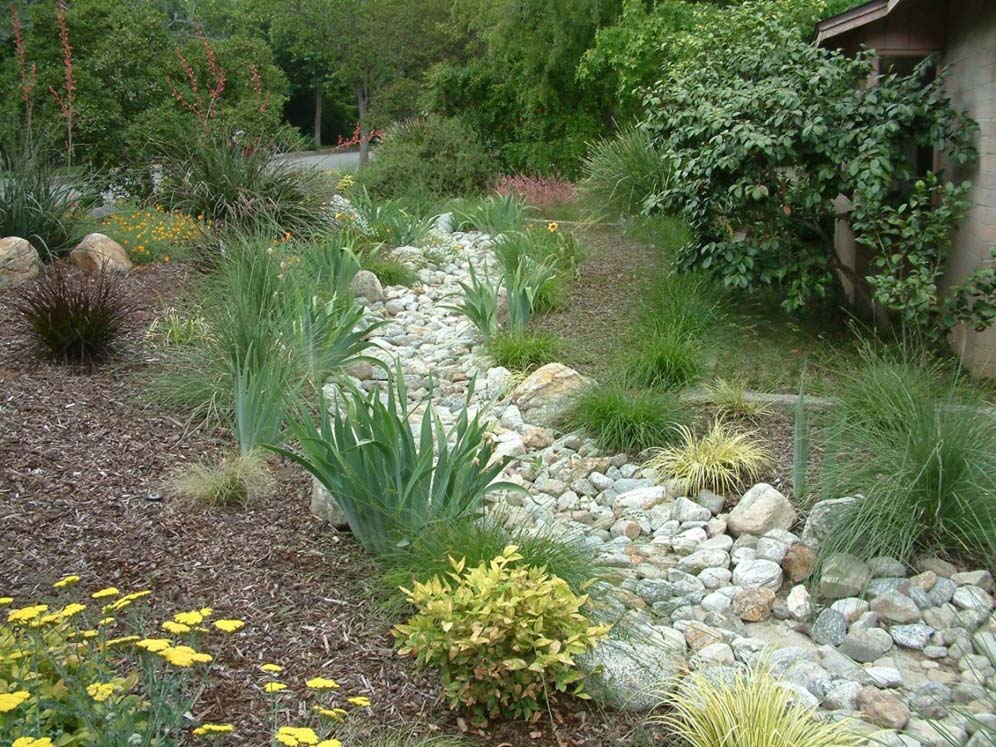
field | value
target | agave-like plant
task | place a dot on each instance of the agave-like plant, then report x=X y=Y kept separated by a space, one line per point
x=390 y=480
x=480 y=304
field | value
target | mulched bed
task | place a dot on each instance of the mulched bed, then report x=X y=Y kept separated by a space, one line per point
x=85 y=467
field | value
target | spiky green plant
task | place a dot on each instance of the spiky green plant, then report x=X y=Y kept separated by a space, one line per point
x=391 y=480
x=621 y=173
x=494 y=214
x=479 y=304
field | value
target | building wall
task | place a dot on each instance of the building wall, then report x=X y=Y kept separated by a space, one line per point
x=971 y=59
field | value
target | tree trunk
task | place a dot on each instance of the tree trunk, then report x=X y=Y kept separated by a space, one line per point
x=319 y=93
x=361 y=105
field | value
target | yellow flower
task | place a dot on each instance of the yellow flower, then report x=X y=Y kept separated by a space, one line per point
x=166 y=258
x=229 y=626
x=359 y=700
x=175 y=628
x=329 y=743
x=322 y=683
x=107 y=621
x=123 y=640
x=336 y=714
x=189 y=618
x=214 y=729
x=24 y=614
x=87 y=634
x=294 y=736
x=10 y=701
x=71 y=610
x=4 y=601
x=110 y=591
x=272 y=668
x=274 y=687
x=100 y=691
x=32 y=742
x=155 y=645
x=124 y=601
x=552 y=227
x=67 y=581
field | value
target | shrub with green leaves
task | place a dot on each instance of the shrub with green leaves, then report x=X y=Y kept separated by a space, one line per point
x=478 y=540
x=436 y=156
x=535 y=631
x=921 y=449
x=241 y=186
x=621 y=173
x=75 y=317
x=391 y=480
x=623 y=420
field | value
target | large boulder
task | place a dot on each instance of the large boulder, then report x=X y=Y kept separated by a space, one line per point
x=822 y=518
x=843 y=576
x=367 y=286
x=19 y=261
x=97 y=252
x=547 y=392
x=630 y=675
x=761 y=509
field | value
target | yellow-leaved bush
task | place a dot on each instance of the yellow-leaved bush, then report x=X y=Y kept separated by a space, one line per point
x=504 y=636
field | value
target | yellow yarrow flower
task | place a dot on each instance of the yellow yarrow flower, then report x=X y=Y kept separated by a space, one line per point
x=10 y=701
x=272 y=668
x=214 y=729
x=329 y=743
x=26 y=614
x=100 y=691
x=336 y=714
x=4 y=601
x=189 y=618
x=32 y=742
x=229 y=626
x=66 y=581
x=274 y=687
x=295 y=736
x=359 y=700
x=171 y=626
x=322 y=683
x=184 y=656
x=155 y=645
x=107 y=621
x=110 y=591
x=123 y=640
x=71 y=610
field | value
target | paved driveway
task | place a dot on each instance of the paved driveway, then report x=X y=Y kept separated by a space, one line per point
x=348 y=161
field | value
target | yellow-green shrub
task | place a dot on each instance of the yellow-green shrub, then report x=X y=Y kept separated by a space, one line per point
x=504 y=637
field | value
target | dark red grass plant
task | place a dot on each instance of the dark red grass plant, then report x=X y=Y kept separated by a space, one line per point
x=75 y=317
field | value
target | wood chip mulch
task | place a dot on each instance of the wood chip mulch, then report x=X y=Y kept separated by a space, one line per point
x=86 y=460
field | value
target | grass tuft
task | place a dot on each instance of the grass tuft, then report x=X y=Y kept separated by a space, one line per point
x=621 y=173
x=729 y=397
x=522 y=351
x=923 y=453
x=752 y=711
x=622 y=420
x=720 y=460
x=235 y=481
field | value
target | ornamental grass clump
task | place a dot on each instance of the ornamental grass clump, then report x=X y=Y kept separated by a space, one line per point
x=504 y=637
x=920 y=448
x=75 y=317
x=495 y=214
x=753 y=710
x=393 y=479
x=623 y=420
x=622 y=173
x=523 y=351
x=720 y=460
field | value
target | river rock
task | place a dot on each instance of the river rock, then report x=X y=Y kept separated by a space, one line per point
x=19 y=261
x=628 y=674
x=97 y=253
x=547 y=393
x=760 y=509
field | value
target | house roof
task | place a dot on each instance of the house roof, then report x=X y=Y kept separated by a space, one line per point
x=854 y=18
